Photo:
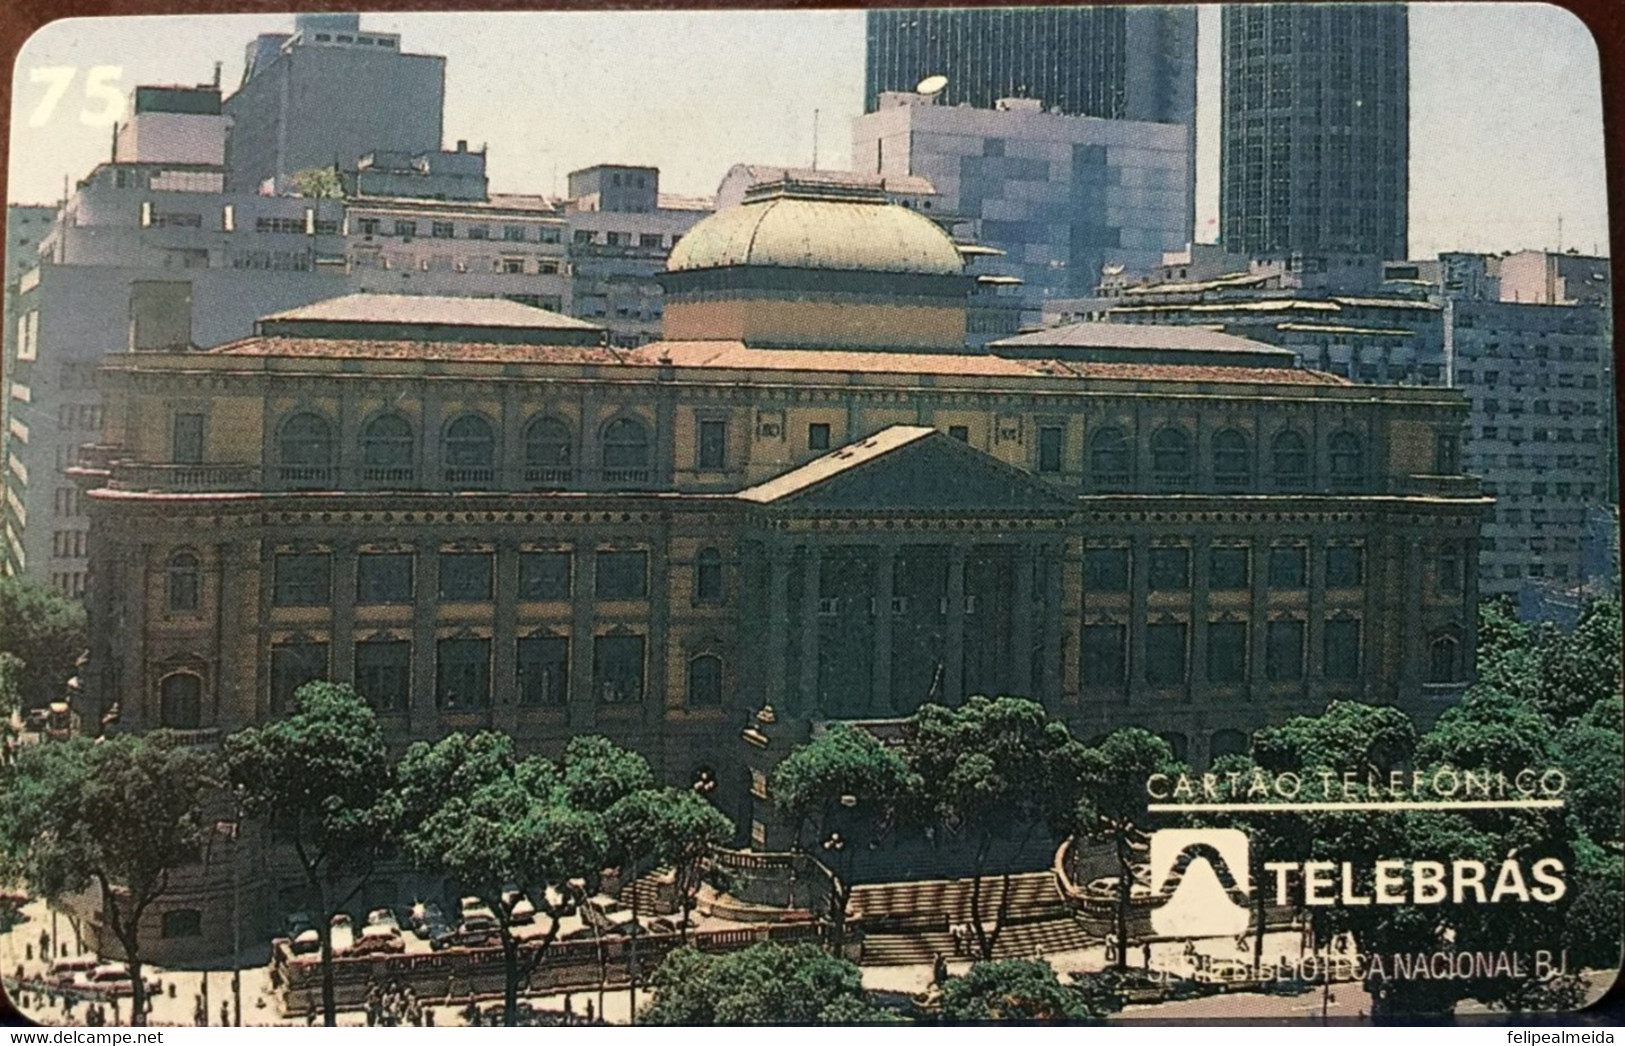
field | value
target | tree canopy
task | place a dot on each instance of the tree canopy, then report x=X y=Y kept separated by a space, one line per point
x=762 y=984
x=46 y=633
x=1012 y=990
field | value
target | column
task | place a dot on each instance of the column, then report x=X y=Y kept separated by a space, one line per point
x=1201 y=560
x=664 y=466
x=881 y=697
x=1314 y=660
x=510 y=443
x=1021 y=624
x=347 y=460
x=660 y=582
x=1257 y=684
x=1139 y=592
x=583 y=702
x=504 y=636
x=431 y=476
x=229 y=713
x=342 y=640
x=953 y=671
x=421 y=712
x=778 y=624
x=1469 y=609
x=1410 y=669
x=1053 y=563
x=807 y=703
x=1376 y=623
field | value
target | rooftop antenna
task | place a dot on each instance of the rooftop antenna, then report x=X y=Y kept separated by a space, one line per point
x=1560 y=234
x=217 y=66
x=815 y=140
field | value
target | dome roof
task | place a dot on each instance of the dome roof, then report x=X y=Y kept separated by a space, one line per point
x=817 y=227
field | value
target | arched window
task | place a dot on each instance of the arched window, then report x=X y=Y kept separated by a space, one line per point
x=1227 y=742
x=386 y=450
x=705 y=681
x=469 y=449
x=626 y=451
x=306 y=450
x=547 y=453
x=708 y=576
x=1109 y=457
x=180 y=699
x=1291 y=460
x=1346 y=454
x=181 y=582
x=1170 y=455
x=1444 y=658
x=1177 y=742
x=1232 y=462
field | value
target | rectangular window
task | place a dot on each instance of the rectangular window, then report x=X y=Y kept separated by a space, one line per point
x=515 y=233
x=544 y=575
x=622 y=575
x=303 y=579
x=1227 y=652
x=465 y=577
x=1345 y=566
x=1342 y=639
x=818 y=436
x=617 y=669
x=1448 y=571
x=1283 y=651
x=463 y=673
x=1287 y=566
x=582 y=236
x=959 y=432
x=479 y=232
x=187 y=444
x=649 y=239
x=1049 y=449
x=367 y=226
x=383 y=673
x=543 y=671
x=713 y=445
x=442 y=230
x=1105 y=569
x=1229 y=568
x=1103 y=655
x=1165 y=654
x=512 y=266
x=383 y=577
x=405 y=227
x=1170 y=569
x=292 y=666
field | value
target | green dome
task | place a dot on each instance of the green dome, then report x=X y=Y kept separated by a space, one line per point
x=796 y=227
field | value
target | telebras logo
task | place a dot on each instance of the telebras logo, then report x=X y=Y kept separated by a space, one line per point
x=1202 y=873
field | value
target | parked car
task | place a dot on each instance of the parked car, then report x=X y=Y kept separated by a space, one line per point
x=429 y=924
x=63 y=972
x=305 y=942
x=476 y=917
x=521 y=911
x=111 y=980
x=342 y=933
x=383 y=917
x=379 y=939
x=297 y=923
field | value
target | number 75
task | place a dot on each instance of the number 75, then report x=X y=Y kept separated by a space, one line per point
x=104 y=101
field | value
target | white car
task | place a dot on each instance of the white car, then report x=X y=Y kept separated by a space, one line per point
x=111 y=979
x=342 y=933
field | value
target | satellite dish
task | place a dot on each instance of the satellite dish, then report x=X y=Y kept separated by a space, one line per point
x=931 y=85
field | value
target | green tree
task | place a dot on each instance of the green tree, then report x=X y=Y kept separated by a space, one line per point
x=1012 y=990
x=323 y=780
x=118 y=815
x=762 y=984
x=675 y=826
x=318 y=182
x=11 y=702
x=994 y=769
x=843 y=777
x=46 y=633
x=504 y=828
x=1112 y=805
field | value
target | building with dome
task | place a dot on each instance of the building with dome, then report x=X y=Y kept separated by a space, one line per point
x=809 y=496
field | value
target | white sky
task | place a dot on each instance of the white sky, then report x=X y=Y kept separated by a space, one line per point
x=1506 y=133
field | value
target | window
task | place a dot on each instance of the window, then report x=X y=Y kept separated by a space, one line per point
x=1287 y=566
x=187 y=444
x=442 y=230
x=713 y=444
x=1105 y=569
x=959 y=432
x=386 y=449
x=818 y=436
x=405 y=227
x=1170 y=569
x=583 y=236
x=543 y=671
x=1346 y=454
x=1171 y=455
x=302 y=579
x=383 y=577
x=1229 y=568
x=544 y=575
x=465 y=577
x=1342 y=642
x=1291 y=461
x=463 y=673
x=1109 y=457
x=180 y=701
x=1103 y=654
x=1345 y=566
x=383 y=673
x=1447 y=571
x=1232 y=463
x=479 y=232
x=547 y=452
x=512 y=266
x=293 y=664
x=1165 y=654
x=626 y=450
x=182 y=922
x=617 y=669
x=705 y=682
x=1049 y=448
x=622 y=575
x=649 y=239
x=1446 y=454
x=1444 y=658
x=306 y=449
x=708 y=576
x=367 y=226
x=1227 y=652
x=515 y=233
x=1283 y=650
x=181 y=588
x=470 y=448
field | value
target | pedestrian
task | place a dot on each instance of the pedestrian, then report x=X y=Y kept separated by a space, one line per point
x=44 y=944
x=225 y=1015
x=589 y=1011
x=1145 y=955
x=569 y=1009
x=939 y=970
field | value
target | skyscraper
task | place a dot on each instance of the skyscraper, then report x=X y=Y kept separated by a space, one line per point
x=1315 y=129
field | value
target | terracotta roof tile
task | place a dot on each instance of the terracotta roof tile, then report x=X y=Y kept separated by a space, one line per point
x=466 y=352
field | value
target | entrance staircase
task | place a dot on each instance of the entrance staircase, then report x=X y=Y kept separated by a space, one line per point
x=911 y=922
